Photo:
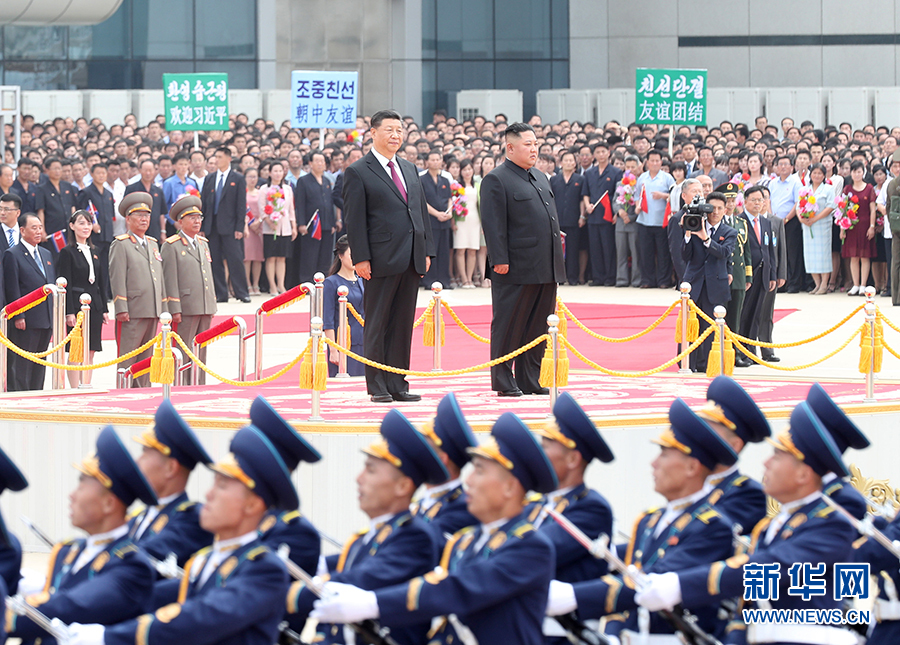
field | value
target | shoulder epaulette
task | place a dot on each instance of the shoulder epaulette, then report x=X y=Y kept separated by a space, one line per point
x=185 y=506
x=124 y=236
x=135 y=512
x=203 y=237
x=534 y=497
x=651 y=511
x=824 y=512
x=405 y=519
x=706 y=516
x=834 y=486
x=150 y=237
x=287 y=518
x=121 y=552
x=258 y=551
x=172 y=238
x=523 y=530
x=739 y=480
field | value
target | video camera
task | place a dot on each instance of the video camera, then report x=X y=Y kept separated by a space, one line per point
x=695 y=214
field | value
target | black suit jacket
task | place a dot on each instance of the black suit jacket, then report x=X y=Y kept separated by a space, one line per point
x=232 y=213
x=383 y=229
x=106 y=210
x=521 y=227
x=72 y=265
x=709 y=265
x=157 y=210
x=763 y=255
x=22 y=276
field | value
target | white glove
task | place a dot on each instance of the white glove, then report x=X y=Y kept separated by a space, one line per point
x=561 y=598
x=169 y=568
x=663 y=591
x=322 y=567
x=32 y=581
x=16 y=604
x=342 y=603
x=86 y=634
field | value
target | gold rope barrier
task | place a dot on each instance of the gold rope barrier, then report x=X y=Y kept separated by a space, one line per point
x=78 y=368
x=424 y=315
x=75 y=329
x=359 y=319
x=756 y=359
x=567 y=312
x=196 y=360
x=462 y=325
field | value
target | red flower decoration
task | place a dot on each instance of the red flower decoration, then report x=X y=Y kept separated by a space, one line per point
x=745 y=176
x=268 y=209
x=854 y=199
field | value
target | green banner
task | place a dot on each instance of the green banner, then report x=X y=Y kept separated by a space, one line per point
x=196 y=101
x=670 y=96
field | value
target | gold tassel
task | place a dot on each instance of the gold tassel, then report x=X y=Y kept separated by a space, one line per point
x=320 y=374
x=865 y=349
x=879 y=355
x=167 y=367
x=347 y=337
x=693 y=329
x=76 y=348
x=562 y=367
x=712 y=361
x=678 y=327
x=729 y=357
x=156 y=362
x=546 y=377
x=306 y=369
x=428 y=332
x=563 y=325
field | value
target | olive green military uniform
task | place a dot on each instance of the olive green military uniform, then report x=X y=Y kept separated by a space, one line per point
x=741 y=266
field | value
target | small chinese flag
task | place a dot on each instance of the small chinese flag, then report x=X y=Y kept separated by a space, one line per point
x=644 y=207
x=607 y=208
x=667 y=214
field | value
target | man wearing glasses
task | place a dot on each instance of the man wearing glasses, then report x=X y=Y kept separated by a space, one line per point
x=136 y=279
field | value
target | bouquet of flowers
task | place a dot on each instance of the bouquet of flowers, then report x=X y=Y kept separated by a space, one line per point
x=458 y=202
x=743 y=182
x=192 y=191
x=274 y=208
x=625 y=190
x=845 y=215
x=806 y=207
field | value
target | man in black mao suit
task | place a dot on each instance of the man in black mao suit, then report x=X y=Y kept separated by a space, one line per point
x=392 y=247
x=225 y=213
x=707 y=255
x=765 y=266
x=24 y=271
x=521 y=227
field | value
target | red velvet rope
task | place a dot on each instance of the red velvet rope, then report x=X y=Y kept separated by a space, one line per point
x=283 y=299
x=27 y=301
x=219 y=330
x=140 y=366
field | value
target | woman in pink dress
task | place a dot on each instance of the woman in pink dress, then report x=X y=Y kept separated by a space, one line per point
x=859 y=242
x=253 y=242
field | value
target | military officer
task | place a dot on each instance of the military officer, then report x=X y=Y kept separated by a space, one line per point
x=443 y=506
x=171 y=451
x=493 y=577
x=741 y=267
x=686 y=532
x=105 y=578
x=885 y=568
x=136 y=279
x=10 y=549
x=735 y=416
x=187 y=267
x=233 y=591
x=806 y=530
x=396 y=546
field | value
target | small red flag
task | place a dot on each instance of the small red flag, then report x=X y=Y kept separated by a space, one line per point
x=607 y=208
x=59 y=240
x=667 y=214
x=644 y=206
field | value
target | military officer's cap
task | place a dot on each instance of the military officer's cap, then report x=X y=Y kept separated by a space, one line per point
x=405 y=448
x=450 y=431
x=113 y=466
x=729 y=404
x=513 y=446
x=185 y=205
x=135 y=202
x=895 y=156
x=842 y=429
x=292 y=447
x=172 y=436
x=729 y=189
x=255 y=462
x=808 y=440
x=574 y=429
x=690 y=434
x=13 y=479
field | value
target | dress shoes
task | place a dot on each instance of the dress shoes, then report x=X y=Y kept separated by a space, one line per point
x=382 y=398
x=245 y=299
x=742 y=361
x=515 y=392
x=405 y=397
x=771 y=359
x=221 y=299
x=545 y=391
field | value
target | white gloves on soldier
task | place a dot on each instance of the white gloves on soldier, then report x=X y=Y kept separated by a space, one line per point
x=342 y=603
x=561 y=598
x=85 y=634
x=662 y=591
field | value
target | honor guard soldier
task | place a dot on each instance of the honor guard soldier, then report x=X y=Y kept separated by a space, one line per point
x=10 y=549
x=187 y=267
x=806 y=531
x=105 y=578
x=397 y=546
x=232 y=592
x=492 y=582
x=171 y=451
x=884 y=567
x=686 y=532
x=443 y=506
x=741 y=266
x=845 y=435
x=136 y=279
x=735 y=416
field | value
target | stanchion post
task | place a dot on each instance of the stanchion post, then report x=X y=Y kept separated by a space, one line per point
x=553 y=330
x=85 y=300
x=319 y=295
x=242 y=349
x=59 y=332
x=120 y=378
x=719 y=313
x=316 y=325
x=871 y=310
x=343 y=323
x=178 y=358
x=436 y=288
x=685 y=289
x=4 y=324
x=165 y=320
x=870 y=295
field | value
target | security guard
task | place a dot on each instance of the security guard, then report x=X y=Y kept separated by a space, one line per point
x=686 y=532
x=231 y=592
x=187 y=267
x=396 y=546
x=10 y=549
x=741 y=266
x=105 y=578
x=443 y=506
x=171 y=451
x=136 y=279
x=735 y=416
x=493 y=577
x=806 y=530
x=845 y=435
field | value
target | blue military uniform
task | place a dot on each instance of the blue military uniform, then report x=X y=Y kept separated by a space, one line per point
x=400 y=548
x=113 y=585
x=174 y=528
x=845 y=435
x=696 y=533
x=236 y=599
x=738 y=497
x=10 y=549
x=886 y=569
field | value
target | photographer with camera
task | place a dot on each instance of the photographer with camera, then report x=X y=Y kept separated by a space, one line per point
x=674 y=233
x=707 y=248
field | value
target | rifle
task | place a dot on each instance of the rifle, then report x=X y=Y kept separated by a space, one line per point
x=680 y=619
x=865 y=527
x=55 y=627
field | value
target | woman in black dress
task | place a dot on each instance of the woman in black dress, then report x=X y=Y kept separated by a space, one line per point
x=79 y=263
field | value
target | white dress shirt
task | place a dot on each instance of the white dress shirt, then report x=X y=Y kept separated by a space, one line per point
x=384 y=164
x=153 y=513
x=86 y=252
x=221 y=549
x=486 y=532
x=15 y=230
x=96 y=544
x=785 y=514
x=432 y=494
x=374 y=525
x=675 y=508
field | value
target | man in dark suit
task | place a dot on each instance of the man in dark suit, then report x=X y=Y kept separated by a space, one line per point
x=159 y=208
x=765 y=267
x=521 y=228
x=707 y=254
x=27 y=267
x=392 y=246
x=225 y=212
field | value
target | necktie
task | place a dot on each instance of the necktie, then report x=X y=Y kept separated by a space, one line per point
x=9 y=233
x=396 y=179
x=756 y=229
x=219 y=187
x=37 y=258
